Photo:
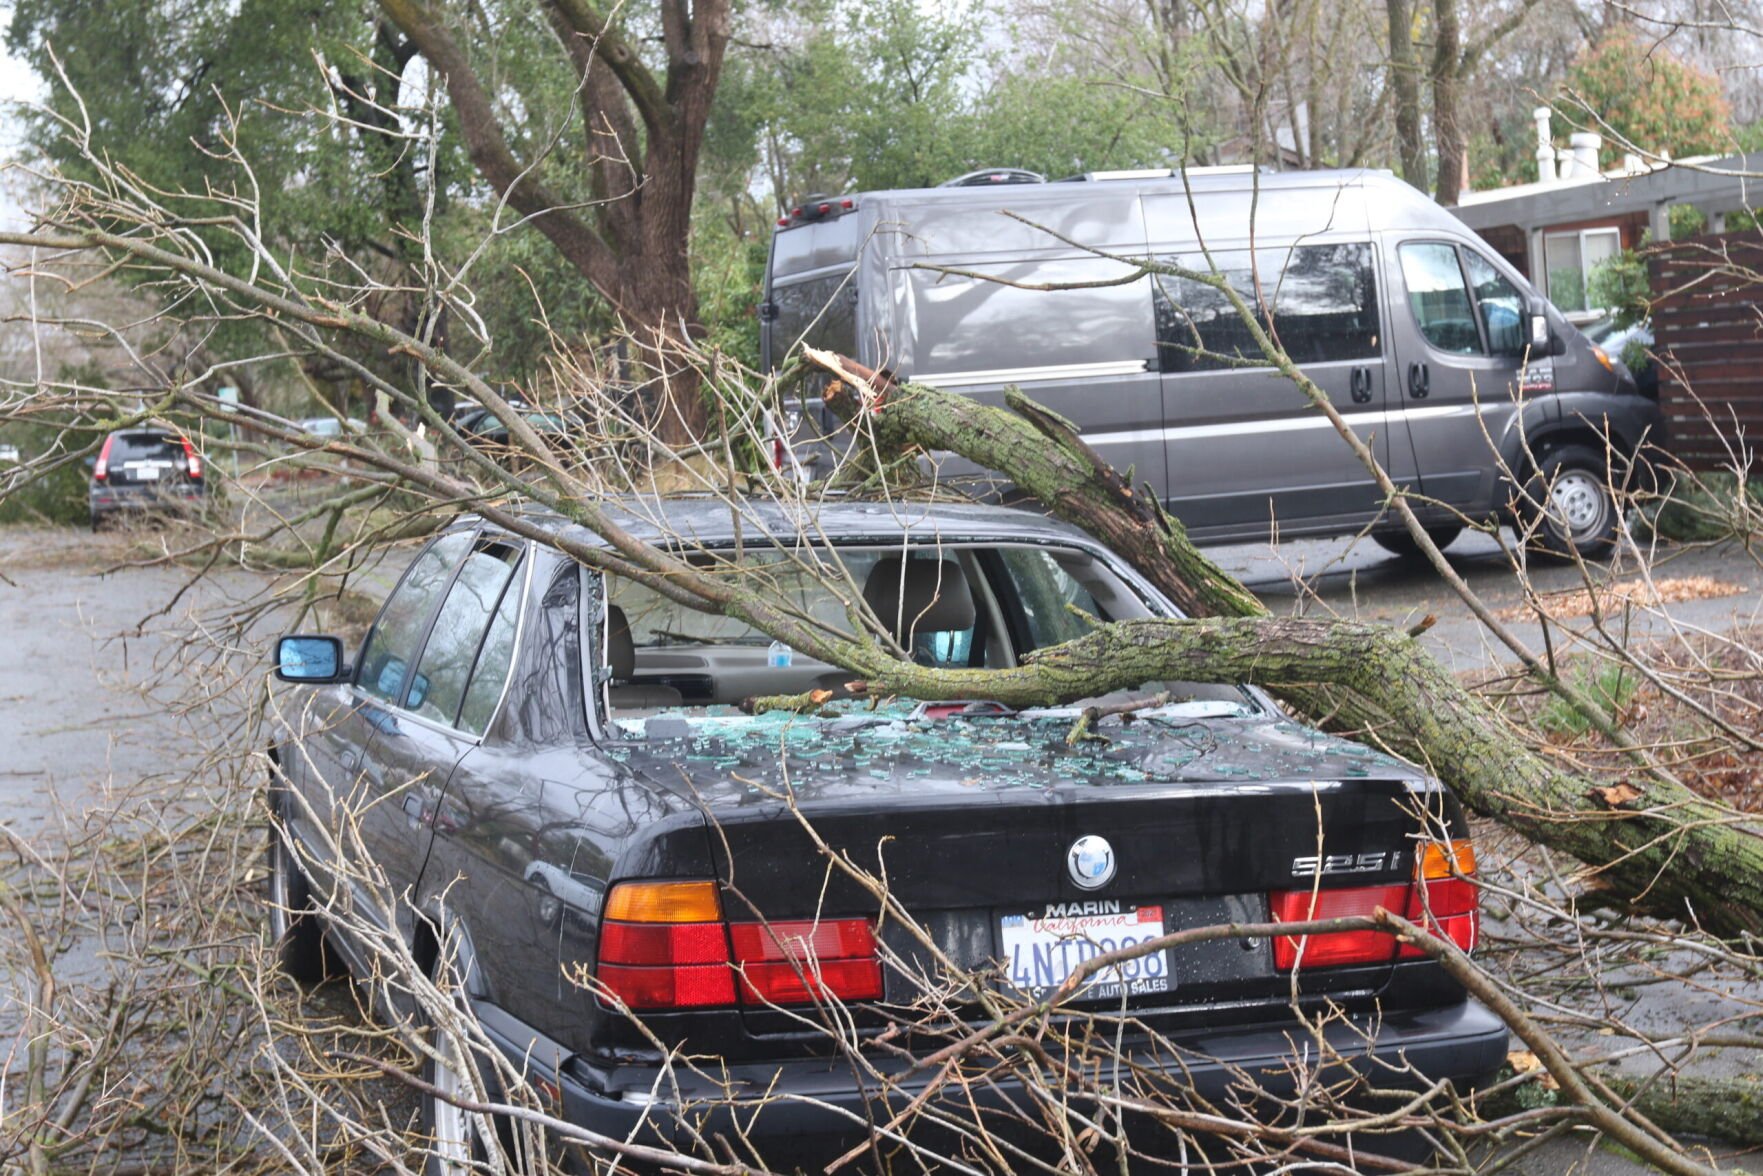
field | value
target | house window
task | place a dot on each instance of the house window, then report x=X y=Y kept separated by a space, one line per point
x=1571 y=258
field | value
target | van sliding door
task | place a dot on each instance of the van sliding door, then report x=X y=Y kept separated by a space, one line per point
x=1083 y=349
x=1248 y=453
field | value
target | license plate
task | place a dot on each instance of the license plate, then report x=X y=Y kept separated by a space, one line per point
x=144 y=473
x=1040 y=954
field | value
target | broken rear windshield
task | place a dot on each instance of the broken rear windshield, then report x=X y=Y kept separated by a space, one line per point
x=948 y=606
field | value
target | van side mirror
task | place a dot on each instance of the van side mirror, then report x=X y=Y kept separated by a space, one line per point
x=1539 y=327
x=310 y=659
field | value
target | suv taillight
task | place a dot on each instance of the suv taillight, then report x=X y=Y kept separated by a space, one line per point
x=1441 y=898
x=192 y=460
x=665 y=945
x=101 y=467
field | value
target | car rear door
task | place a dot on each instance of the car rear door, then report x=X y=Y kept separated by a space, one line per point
x=341 y=725
x=424 y=727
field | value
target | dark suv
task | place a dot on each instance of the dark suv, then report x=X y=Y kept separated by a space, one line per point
x=552 y=769
x=142 y=469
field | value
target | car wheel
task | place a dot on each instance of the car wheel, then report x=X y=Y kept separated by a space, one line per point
x=97 y=522
x=1401 y=543
x=294 y=923
x=459 y=1140
x=1570 y=502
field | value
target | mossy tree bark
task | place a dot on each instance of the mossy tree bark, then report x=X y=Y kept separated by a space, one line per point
x=1651 y=841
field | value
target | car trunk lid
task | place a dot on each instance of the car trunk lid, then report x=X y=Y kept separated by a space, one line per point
x=1000 y=838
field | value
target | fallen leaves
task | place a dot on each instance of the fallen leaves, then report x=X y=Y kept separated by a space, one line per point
x=1618 y=795
x=1582 y=602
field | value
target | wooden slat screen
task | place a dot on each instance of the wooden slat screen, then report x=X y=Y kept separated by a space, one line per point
x=1708 y=336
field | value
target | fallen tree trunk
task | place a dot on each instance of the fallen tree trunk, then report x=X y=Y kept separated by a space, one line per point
x=1653 y=841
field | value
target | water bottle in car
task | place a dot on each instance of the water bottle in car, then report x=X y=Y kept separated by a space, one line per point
x=779 y=655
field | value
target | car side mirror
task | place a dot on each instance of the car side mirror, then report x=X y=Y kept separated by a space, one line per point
x=310 y=659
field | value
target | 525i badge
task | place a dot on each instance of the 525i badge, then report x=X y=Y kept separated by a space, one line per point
x=1347 y=863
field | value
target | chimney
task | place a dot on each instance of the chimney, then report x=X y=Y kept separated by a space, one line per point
x=1545 y=146
x=1585 y=152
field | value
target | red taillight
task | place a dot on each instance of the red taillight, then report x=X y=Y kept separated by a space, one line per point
x=656 y=944
x=663 y=945
x=1444 y=899
x=824 y=208
x=1441 y=898
x=777 y=453
x=1339 y=947
x=101 y=468
x=783 y=222
x=192 y=459
x=798 y=962
x=847 y=204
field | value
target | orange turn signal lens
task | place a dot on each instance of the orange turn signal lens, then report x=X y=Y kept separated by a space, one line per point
x=1442 y=859
x=664 y=902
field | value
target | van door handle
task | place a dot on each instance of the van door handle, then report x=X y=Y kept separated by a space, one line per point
x=1419 y=381
x=1361 y=384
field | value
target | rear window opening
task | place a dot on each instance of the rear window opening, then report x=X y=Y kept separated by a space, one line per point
x=948 y=606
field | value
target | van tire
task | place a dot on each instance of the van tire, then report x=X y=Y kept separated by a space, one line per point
x=1569 y=504
x=1401 y=544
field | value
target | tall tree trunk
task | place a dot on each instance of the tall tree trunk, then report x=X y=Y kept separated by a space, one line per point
x=1447 y=81
x=1405 y=88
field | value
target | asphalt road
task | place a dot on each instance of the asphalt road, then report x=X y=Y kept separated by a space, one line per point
x=1360 y=580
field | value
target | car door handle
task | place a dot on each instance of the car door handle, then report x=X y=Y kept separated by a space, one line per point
x=1361 y=385
x=350 y=760
x=1419 y=381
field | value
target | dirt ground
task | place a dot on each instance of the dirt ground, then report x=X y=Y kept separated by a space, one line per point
x=87 y=707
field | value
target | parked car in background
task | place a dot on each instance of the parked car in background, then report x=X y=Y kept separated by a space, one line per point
x=553 y=770
x=1632 y=347
x=1472 y=391
x=332 y=426
x=145 y=469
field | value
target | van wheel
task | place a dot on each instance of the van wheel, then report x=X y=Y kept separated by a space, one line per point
x=1402 y=545
x=294 y=923
x=1570 y=502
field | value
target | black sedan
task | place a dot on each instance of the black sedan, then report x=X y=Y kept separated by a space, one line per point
x=552 y=770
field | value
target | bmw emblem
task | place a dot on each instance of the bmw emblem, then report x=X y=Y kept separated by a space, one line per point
x=1090 y=861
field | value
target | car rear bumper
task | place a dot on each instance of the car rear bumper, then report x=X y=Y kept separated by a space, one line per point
x=815 y=1110
x=110 y=498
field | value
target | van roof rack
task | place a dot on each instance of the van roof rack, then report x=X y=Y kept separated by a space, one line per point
x=1164 y=173
x=989 y=176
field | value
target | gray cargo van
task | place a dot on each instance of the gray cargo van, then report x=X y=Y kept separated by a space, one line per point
x=1467 y=385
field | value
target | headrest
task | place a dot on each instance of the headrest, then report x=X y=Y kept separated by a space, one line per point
x=621 y=651
x=919 y=596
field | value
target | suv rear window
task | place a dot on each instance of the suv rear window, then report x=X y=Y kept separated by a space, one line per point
x=126 y=447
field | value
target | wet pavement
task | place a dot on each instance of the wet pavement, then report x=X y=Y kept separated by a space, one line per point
x=1359 y=580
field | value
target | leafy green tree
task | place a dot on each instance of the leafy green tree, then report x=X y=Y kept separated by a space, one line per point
x=1647 y=97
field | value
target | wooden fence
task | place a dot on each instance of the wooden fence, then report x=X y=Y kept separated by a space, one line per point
x=1708 y=337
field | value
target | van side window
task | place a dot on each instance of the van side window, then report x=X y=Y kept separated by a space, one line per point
x=1439 y=297
x=1500 y=305
x=1324 y=300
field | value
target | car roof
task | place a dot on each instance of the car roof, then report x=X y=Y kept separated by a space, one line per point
x=712 y=521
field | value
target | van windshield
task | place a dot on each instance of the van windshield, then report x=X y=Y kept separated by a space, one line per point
x=976 y=606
